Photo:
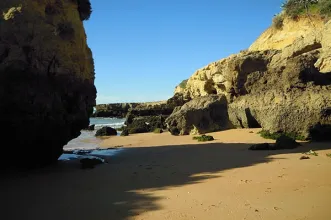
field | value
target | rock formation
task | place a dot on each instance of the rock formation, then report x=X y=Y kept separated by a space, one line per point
x=201 y=115
x=116 y=110
x=47 y=88
x=282 y=83
x=147 y=117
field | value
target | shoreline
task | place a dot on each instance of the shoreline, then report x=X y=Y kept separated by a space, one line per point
x=159 y=176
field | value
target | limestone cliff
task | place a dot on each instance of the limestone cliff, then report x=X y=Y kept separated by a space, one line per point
x=282 y=83
x=46 y=77
x=291 y=30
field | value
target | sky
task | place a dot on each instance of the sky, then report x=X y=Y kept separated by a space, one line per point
x=143 y=49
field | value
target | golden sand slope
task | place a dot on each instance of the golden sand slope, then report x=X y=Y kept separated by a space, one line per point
x=160 y=176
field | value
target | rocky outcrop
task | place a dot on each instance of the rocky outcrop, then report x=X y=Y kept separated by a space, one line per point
x=282 y=143
x=143 y=124
x=284 y=90
x=324 y=61
x=46 y=78
x=116 y=110
x=106 y=131
x=227 y=76
x=292 y=96
x=201 y=115
x=147 y=117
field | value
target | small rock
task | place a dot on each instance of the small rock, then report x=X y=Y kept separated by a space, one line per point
x=106 y=131
x=304 y=158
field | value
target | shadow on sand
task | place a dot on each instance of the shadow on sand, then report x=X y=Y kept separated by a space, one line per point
x=110 y=191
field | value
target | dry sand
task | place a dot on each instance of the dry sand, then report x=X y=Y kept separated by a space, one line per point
x=159 y=176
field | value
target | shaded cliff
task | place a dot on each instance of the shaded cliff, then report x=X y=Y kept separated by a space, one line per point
x=46 y=77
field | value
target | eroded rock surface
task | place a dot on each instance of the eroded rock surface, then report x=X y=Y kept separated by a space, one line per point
x=47 y=88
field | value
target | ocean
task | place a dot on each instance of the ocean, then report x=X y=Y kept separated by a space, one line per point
x=87 y=140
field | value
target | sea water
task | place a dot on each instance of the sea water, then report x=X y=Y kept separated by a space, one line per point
x=87 y=140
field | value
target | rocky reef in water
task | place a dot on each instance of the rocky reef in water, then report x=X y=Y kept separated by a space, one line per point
x=47 y=90
x=282 y=83
x=116 y=110
x=147 y=117
x=142 y=117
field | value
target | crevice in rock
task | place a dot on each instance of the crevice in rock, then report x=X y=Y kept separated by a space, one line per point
x=307 y=48
x=251 y=121
x=240 y=122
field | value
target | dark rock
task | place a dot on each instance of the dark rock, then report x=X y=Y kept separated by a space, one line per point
x=174 y=131
x=125 y=132
x=106 y=131
x=117 y=110
x=320 y=132
x=143 y=124
x=90 y=163
x=91 y=127
x=200 y=115
x=304 y=157
x=284 y=142
x=47 y=88
x=264 y=146
x=139 y=125
x=178 y=100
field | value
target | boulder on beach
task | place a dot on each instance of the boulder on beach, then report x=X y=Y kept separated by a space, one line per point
x=143 y=124
x=200 y=115
x=106 y=131
x=284 y=142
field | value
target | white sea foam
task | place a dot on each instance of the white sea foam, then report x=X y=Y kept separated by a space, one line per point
x=87 y=139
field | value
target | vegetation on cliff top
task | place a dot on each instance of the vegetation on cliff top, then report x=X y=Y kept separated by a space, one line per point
x=183 y=84
x=296 y=8
x=84 y=9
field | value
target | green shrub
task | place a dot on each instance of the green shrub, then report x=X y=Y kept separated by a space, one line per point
x=295 y=8
x=267 y=135
x=325 y=7
x=277 y=21
x=183 y=84
x=203 y=138
x=85 y=9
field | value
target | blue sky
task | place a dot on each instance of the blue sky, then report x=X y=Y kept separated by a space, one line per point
x=143 y=49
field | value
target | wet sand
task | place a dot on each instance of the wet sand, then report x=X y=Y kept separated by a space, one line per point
x=159 y=176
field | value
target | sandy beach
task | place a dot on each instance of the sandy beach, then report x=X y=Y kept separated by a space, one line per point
x=159 y=176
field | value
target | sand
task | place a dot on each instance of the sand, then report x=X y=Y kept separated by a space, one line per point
x=159 y=176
